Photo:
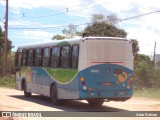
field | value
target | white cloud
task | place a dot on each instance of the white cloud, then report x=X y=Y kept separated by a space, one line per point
x=30 y=24
x=31 y=4
x=1 y=24
x=145 y=29
x=18 y=23
x=37 y=35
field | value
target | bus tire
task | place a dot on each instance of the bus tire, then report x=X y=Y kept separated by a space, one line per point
x=26 y=94
x=97 y=102
x=53 y=95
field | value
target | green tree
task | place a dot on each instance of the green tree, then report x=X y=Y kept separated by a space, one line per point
x=143 y=71
x=97 y=18
x=135 y=49
x=58 y=37
x=156 y=77
x=9 y=47
x=10 y=63
x=111 y=19
x=102 y=26
x=70 y=31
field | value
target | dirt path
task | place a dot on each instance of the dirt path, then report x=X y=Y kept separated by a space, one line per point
x=13 y=100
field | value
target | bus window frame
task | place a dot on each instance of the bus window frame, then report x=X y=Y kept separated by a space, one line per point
x=26 y=58
x=59 y=57
x=18 y=60
x=49 y=61
x=77 y=56
x=33 y=55
x=68 y=56
x=36 y=57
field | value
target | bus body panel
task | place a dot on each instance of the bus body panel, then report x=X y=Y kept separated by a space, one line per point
x=107 y=69
x=105 y=65
x=39 y=82
x=106 y=81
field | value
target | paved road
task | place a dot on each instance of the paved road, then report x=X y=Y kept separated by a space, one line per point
x=13 y=100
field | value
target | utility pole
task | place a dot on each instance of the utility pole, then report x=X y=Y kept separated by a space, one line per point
x=5 y=41
x=154 y=59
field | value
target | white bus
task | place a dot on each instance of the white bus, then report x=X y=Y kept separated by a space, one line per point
x=90 y=68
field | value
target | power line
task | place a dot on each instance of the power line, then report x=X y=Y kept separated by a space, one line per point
x=141 y=15
x=90 y=7
x=48 y=15
x=67 y=10
x=119 y=20
x=51 y=27
x=47 y=11
x=72 y=19
x=59 y=9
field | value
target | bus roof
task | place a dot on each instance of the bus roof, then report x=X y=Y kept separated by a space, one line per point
x=69 y=41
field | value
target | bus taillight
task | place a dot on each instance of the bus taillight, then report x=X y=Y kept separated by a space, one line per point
x=82 y=78
x=83 y=83
x=130 y=82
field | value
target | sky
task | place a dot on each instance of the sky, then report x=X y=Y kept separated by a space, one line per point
x=50 y=17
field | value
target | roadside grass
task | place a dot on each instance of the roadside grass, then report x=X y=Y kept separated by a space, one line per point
x=8 y=82
x=153 y=93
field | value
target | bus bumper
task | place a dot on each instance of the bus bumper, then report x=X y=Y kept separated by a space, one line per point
x=109 y=95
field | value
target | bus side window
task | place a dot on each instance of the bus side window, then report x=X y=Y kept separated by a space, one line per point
x=18 y=59
x=38 y=56
x=24 y=57
x=65 y=52
x=55 y=57
x=74 y=59
x=30 y=57
x=46 y=57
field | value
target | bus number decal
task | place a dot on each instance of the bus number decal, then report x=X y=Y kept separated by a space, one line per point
x=94 y=71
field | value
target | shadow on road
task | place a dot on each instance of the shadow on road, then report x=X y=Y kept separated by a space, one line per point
x=70 y=106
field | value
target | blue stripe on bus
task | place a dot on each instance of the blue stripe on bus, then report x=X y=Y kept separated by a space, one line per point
x=101 y=81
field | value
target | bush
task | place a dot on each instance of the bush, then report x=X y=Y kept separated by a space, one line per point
x=7 y=82
x=146 y=75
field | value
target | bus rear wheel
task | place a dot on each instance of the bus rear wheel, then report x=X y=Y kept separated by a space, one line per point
x=26 y=94
x=95 y=102
x=53 y=95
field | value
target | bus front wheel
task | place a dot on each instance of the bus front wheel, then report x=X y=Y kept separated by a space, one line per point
x=26 y=94
x=53 y=95
x=95 y=102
